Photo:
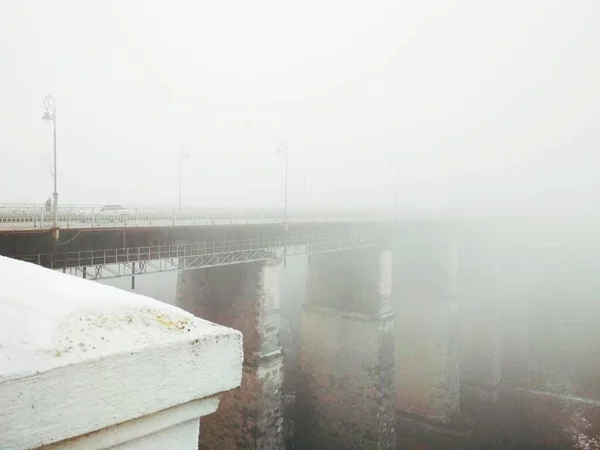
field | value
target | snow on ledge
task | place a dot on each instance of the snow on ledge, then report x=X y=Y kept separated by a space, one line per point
x=77 y=356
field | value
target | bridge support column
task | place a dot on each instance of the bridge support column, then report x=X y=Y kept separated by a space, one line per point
x=345 y=393
x=245 y=297
x=427 y=363
x=514 y=297
x=480 y=320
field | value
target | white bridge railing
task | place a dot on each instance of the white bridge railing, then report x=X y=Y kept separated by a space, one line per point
x=37 y=217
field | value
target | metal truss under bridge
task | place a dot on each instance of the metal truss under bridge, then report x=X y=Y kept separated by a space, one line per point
x=114 y=263
x=37 y=217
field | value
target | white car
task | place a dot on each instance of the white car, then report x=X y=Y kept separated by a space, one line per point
x=115 y=212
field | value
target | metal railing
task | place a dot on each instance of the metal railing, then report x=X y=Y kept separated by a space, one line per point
x=112 y=263
x=37 y=217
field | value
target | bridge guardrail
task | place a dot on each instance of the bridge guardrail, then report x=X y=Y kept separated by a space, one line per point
x=35 y=217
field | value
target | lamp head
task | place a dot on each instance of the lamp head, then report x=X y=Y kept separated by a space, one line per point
x=281 y=146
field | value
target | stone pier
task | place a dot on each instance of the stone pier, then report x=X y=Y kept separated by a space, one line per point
x=515 y=316
x=245 y=297
x=480 y=322
x=346 y=392
x=427 y=364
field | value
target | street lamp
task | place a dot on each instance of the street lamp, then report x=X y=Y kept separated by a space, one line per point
x=50 y=116
x=282 y=149
x=183 y=155
x=304 y=196
x=397 y=167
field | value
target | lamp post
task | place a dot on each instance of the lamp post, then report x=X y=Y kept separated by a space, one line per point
x=183 y=155
x=397 y=191
x=304 y=196
x=397 y=169
x=282 y=149
x=50 y=116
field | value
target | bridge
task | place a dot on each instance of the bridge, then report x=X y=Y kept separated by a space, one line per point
x=400 y=327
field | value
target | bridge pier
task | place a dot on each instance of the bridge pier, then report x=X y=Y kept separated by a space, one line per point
x=516 y=315
x=427 y=360
x=480 y=323
x=345 y=395
x=244 y=297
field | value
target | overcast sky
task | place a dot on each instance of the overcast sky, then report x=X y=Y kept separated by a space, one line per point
x=479 y=103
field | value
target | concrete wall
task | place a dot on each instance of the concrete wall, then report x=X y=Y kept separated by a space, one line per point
x=246 y=297
x=346 y=387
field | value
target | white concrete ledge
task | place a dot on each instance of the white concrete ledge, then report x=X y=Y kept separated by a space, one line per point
x=144 y=427
x=81 y=362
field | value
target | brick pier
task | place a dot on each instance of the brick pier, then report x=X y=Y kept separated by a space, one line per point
x=480 y=325
x=346 y=388
x=244 y=297
x=427 y=360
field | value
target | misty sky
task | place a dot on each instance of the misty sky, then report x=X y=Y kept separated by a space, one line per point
x=480 y=103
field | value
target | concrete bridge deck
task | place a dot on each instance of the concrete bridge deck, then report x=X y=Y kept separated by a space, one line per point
x=35 y=241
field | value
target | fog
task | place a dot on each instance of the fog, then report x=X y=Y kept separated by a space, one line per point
x=481 y=105
x=441 y=107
